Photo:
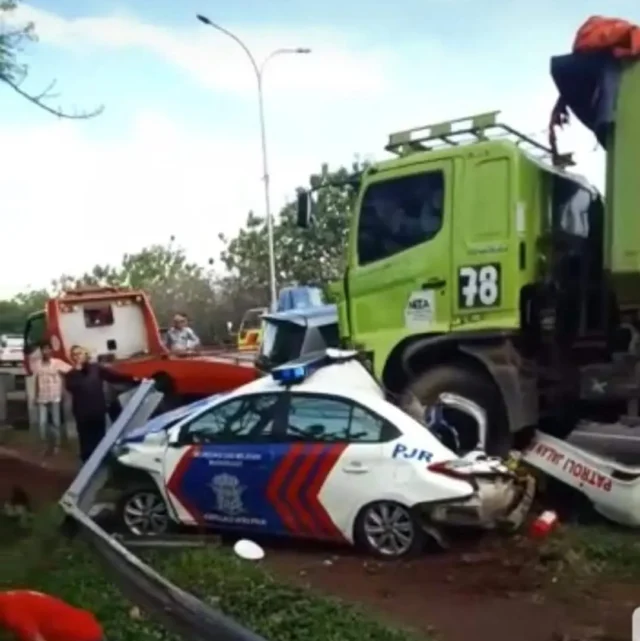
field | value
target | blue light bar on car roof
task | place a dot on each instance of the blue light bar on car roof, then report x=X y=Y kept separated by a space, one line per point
x=300 y=369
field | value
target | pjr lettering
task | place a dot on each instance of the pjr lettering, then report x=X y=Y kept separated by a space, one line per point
x=587 y=475
x=402 y=451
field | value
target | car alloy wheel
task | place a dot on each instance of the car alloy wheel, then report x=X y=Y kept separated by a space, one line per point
x=389 y=529
x=144 y=513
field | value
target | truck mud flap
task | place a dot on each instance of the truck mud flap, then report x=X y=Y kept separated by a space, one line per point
x=612 y=487
x=179 y=611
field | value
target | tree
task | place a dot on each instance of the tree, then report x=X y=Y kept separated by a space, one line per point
x=14 y=312
x=164 y=272
x=312 y=256
x=13 y=72
x=174 y=283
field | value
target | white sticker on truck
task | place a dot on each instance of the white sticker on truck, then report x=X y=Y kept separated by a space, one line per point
x=420 y=312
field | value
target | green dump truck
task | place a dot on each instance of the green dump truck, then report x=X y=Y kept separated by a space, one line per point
x=479 y=264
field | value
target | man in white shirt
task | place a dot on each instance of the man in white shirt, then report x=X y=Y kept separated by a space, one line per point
x=49 y=386
x=180 y=337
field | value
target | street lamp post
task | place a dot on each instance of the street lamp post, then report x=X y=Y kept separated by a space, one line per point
x=259 y=71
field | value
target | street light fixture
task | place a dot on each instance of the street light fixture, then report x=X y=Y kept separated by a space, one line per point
x=259 y=71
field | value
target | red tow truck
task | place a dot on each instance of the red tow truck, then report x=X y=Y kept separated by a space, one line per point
x=119 y=328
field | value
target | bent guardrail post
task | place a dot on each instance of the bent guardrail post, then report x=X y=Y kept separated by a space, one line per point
x=92 y=474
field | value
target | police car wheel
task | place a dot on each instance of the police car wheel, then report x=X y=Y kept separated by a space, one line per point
x=143 y=512
x=388 y=530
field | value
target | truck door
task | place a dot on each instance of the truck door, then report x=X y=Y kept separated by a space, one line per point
x=485 y=260
x=398 y=282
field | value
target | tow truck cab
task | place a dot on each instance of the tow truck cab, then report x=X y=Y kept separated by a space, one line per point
x=479 y=264
x=112 y=323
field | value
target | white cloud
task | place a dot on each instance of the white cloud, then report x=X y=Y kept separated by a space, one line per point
x=69 y=202
x=217 y=62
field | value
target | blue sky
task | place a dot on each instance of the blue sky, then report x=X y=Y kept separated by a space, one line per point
x=176 y=151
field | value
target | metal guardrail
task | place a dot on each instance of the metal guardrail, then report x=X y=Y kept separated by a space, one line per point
x=179 y=611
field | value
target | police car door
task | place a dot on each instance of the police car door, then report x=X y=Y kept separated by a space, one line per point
x=339 y=463
x=217 y=469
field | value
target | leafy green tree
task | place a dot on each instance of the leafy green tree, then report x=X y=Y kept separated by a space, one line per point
x=173 y=282
x=13 y=72
x=310 y=257
x=303 y=256
x=14 y=312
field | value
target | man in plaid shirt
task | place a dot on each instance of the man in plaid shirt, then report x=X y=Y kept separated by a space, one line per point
x=49 y=389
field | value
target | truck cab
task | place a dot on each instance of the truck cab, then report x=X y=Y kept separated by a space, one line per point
x=475 y=266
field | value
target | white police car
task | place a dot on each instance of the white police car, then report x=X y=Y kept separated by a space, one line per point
x=313 y=451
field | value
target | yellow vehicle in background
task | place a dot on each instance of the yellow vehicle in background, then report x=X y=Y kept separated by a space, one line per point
x=250 y=332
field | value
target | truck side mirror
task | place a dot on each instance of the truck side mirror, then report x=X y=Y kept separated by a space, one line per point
x=303 y=209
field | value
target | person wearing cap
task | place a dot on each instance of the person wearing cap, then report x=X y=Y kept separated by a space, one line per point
x=35 y=616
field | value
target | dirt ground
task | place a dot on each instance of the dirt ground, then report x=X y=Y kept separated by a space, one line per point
x=496 y=589
x=44 y=480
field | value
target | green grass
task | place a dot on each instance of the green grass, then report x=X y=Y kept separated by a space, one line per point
x=602 y=552
x=45 y=561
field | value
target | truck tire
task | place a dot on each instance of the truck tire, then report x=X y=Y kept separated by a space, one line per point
x=476 y=387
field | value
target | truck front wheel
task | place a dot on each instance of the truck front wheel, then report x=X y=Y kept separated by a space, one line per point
x=474 y=386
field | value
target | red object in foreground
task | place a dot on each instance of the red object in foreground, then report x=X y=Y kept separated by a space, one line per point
x=543 y=525
x=33 y=616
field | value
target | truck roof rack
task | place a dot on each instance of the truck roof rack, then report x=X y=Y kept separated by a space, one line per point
x=471 y=129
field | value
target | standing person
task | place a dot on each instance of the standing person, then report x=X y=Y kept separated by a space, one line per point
x=180 y=337
x=34 y=616
x=48 y=373
x=85 y=383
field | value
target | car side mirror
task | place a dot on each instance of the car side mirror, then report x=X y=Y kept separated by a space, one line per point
x=176 y=438
x=304 y=208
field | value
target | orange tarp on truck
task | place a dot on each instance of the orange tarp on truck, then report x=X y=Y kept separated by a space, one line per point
x=598 y=33
x=617 y=38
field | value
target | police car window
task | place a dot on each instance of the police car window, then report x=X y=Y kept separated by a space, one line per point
x=365 y=427
x=243 y=419
x=398 y=214
x=322 y=419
